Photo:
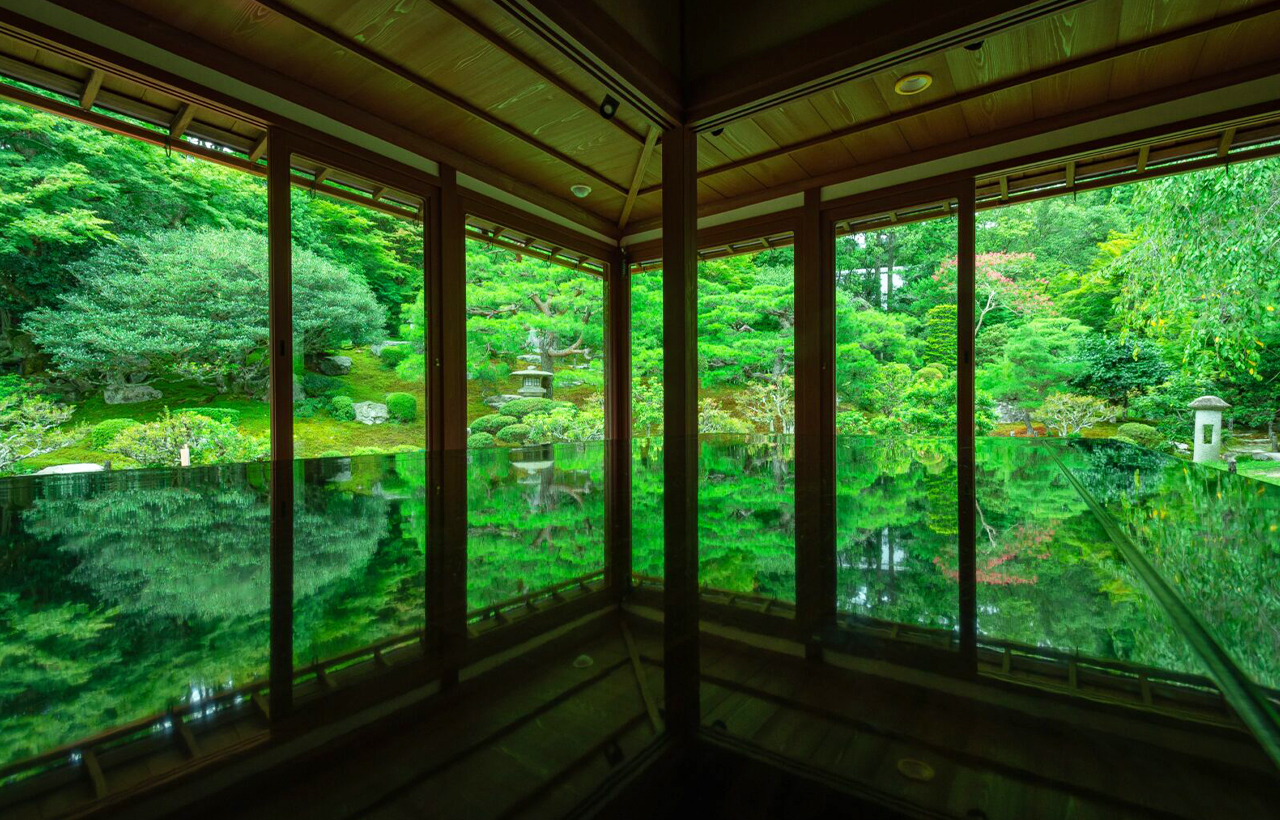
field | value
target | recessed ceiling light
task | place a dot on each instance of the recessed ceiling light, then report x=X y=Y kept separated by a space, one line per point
x=580 y=191
x=913 y=84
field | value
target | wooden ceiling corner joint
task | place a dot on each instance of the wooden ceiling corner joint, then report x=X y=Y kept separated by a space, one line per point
x=91 y=88
x=322 y=174
x=1071 y=173
x=181 y=121
x=507 y=47
x=642 y=165
x=1144 y=156
x=424 y=84
x=1224 y=144
x=1004 y=187
x=259 y=148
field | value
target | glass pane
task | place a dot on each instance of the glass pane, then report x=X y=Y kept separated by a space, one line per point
x=114 y=611
x=535 y=365
x=647 y=395
x=897 y=536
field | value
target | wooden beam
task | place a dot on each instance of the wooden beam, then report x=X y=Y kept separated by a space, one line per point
x=369 y=55
x=815 y=344
x=680 y=429
x=181 y=119
x=641 y=679
x=379 y=192
x=91 y=86
x=1237 y=18
x=259 y=148
x=506 y=46
x=1070 y=173
x=280 y=345
x=1224 y=144
x=321 y=175
x=1144 y=155
x=617 y=419
x=966 y=262
x=637 y=179
x=93 y=769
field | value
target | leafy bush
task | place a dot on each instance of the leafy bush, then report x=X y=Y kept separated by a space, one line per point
x=393 y=355
x=1068 y=413
x=159 y=443
x=29 y=427
x=342 y=408
x=104 y=432
x=1143 y=435
x=514 y=433
x=331 y=454
x=524 y=407
x=307 y=408
x=492 y=423
x=318 y=384
x=851 y=423
x=565 y=424
x=480 y=440
x=402 y=407
x=227 y=414
x=930 y=372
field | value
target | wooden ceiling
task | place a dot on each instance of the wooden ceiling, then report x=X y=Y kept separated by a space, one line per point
x=482 y=79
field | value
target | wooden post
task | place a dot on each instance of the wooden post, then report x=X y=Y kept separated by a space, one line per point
x=617 y=397
x=815 y=297
x=965 y=451
x=680 y=424
x=446 y=427
x=280 y=341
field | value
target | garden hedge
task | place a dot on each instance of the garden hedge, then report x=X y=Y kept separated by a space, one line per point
x=1142 y=434
x=342 y=408
x=105 y=432
x=492 y=423
x=514 y=433
x=402 y=407
x=480 y=440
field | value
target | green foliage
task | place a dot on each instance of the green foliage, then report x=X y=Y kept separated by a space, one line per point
x=714 y=418
x=331 y=454
x=514 y=433
x=1039 y=358
x=940 y=327
x=519 y=408
x=568 y=424
x=1141 y=434
x=307 y=408
x=477 y=440
x=228 y=414
x=192 y=305
x=393 y=355
x=30 y=426
x=159 y=443
x=492 y=423
x=1118 y=371
x=1068 y=413
x=342 y=408
x=851 y=423
x=403 y=407
x=318 y=385
x=102 y=434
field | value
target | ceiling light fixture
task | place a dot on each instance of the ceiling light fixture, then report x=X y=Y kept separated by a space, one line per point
x=913 y=84
x=974 y=46
x=608 y=107
x=580 y=191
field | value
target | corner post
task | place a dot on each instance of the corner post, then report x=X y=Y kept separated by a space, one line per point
x=617 y=419
x=280 y=342
x=446 y=428
x=680 y=429
x=815 y=424
x=965 y=438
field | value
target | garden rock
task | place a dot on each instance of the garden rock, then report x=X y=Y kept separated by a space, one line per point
x=1007 y=413
x=496 y=402
x=129 y=393
x=371 y=412
x=335 y=365
x=1182 y=448
x=1266 y=456
x=66 y=469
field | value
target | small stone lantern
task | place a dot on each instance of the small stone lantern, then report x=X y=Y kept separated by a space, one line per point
x=535 y=383
x=1208 y=429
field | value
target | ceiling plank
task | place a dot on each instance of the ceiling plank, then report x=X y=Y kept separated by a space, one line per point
x=426 y=85
x=91 y=87
x=1012 y=83
x=509 y=48
x=638 y=178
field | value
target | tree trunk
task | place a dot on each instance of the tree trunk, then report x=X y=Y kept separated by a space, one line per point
x=1271 y=432
x=1026 y=419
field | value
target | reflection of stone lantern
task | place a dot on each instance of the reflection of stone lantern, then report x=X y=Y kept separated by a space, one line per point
x=1208 y=429
x=534 y=383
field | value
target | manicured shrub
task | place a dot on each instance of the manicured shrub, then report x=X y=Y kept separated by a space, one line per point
x=492 y=423
x=851 y=423
x=402 y=407
x=523 y=407
x=342 y=408
x=393 y=355
x=930 y=372
x=159 y=443
x=476 y=440
x=406 y=448
x=1142 y=434
x=227 y=414
x=307 y=408
x=514 y=433
x=331 y=454
x=318 y=384
x=104 y=432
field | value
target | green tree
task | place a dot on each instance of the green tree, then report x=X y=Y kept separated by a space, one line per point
x=1040 y=357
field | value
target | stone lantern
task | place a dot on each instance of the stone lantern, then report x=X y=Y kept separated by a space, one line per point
x=534 y=383
x=1208 y=429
